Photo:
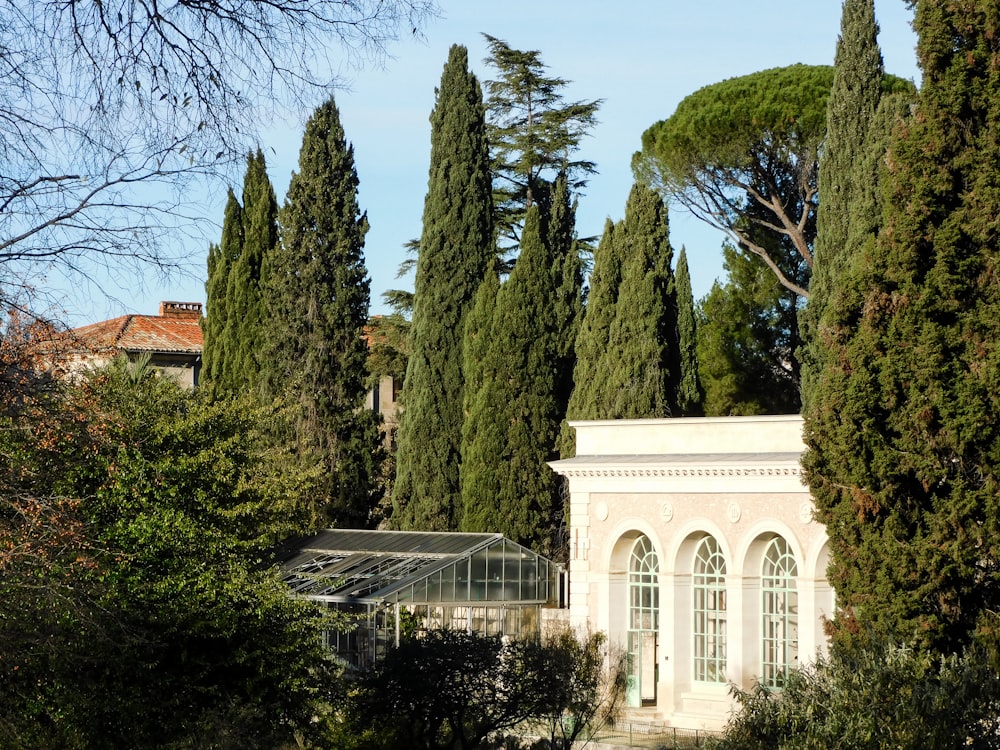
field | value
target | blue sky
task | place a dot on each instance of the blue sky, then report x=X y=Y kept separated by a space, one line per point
x=641 y=58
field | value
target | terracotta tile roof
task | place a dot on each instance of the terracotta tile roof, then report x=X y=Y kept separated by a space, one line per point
x=143 y=333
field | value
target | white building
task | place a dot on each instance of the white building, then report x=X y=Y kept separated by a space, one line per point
x=693 y=545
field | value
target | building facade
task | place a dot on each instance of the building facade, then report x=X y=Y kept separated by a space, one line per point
x=693 y=545
x=171 y=339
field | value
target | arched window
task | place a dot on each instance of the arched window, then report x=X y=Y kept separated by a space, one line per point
x=780 y=613
x=709 y=587
x=643 y=621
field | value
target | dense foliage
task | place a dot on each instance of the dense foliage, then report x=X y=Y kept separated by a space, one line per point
x=594 y=336
x=690 y=394
x=318 y=298
x=455 y=250
x=236 y=324
x=449 y=690
x=639 y=368
x=902 y=456
x=877 y=697
x=220 y=258
x=747 y=336
x=137 y=613
x=507 y=486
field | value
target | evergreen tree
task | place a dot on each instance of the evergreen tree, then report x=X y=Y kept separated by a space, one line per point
x=567 y=269
x=747 y=332
x=318 y=308
x=533 y=134
x=595 y=329
x=477 y=425
x=902 y=456
x=638 y=371
x=215 y=325
x=854 y=99
x=245 y=291
x=593 y=337
x=689 y=391
x=507 y=486
x=456 y=248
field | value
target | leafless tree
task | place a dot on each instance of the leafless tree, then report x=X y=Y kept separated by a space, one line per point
x=109 y=108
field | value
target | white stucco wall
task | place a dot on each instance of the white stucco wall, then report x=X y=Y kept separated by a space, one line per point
x=676 y=481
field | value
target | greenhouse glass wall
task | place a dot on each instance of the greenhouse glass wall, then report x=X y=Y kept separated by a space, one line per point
x=395 y=583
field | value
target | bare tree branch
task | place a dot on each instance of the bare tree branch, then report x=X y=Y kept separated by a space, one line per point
x=109 y=109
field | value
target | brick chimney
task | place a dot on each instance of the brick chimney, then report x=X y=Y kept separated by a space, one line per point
x=182 y=310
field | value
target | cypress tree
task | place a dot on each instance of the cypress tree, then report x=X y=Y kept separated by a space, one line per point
x=507 y=486
x=216 y=326
x=475 y=346
x=595 y=329
x=319 y=294
x=245 y=292
x=456 y=248
x=567 y=269
x=903 y=443
x=638 y=372
x=854 y=99
x=689 y=391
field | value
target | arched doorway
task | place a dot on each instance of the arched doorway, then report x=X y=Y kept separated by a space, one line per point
x=643 y=622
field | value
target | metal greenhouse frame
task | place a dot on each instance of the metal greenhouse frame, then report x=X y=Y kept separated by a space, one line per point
x=392 y=583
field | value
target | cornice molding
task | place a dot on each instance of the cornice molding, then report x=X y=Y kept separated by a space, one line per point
x=702 y=471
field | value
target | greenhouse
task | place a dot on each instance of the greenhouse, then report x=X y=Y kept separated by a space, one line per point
x=396 y=583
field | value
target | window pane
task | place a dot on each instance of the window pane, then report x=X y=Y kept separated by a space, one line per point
x=779 y=613
x=709 y=612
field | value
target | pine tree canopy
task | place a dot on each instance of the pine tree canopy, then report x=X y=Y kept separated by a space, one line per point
x=533 y=133
x=748 y=142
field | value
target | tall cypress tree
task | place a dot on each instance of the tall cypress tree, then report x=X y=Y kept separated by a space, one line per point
x=507 y=485
x=245 y=292
x=851 y=108
x=903 y=444
x=319 y=294
x=595 y=328
x=567 y=269
x=216 y=325
x=638 y=371
x=689 y=391
x=477 y=424
x=456 y=248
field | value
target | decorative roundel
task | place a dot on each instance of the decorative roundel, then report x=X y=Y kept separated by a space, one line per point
x=666 y=512
x=805 y=511
x=601 y=511
x=734 y=512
